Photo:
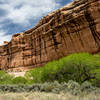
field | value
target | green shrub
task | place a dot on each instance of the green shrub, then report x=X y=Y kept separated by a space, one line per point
x=79 y=67
x=5 y=78
x=96 y=80
x=19 y=80
x=54 y=87
x=51 y=86
x=87 y=86
x=73 y=87
x=49 y=72
x=34 y=75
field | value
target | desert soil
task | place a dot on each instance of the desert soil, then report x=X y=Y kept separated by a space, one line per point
x=16 y=74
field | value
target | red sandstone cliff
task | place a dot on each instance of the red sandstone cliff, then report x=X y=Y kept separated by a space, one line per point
x=73 y=28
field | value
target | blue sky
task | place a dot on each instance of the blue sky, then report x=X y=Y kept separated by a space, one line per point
x=19 y=15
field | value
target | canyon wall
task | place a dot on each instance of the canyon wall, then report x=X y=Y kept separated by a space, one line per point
x=71 y=29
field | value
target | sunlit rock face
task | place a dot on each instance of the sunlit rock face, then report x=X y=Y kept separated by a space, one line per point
x=71 y=29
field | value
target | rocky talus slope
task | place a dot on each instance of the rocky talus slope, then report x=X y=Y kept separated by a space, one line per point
x=71 y=29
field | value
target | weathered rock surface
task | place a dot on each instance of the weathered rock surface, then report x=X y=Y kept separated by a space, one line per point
x=71 y=29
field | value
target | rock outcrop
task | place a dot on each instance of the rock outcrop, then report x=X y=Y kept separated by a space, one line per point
x=71 y=29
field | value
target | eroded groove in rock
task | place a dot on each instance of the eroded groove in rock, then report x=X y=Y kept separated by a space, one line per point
x=92 y=26
x=71 y=29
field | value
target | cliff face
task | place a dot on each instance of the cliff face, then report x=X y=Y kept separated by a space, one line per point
x=71 y=29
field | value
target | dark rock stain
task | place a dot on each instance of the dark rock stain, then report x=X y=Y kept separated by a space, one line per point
x=92 y=26
x=40 y=44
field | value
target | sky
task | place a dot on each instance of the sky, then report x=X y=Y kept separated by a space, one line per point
x=19 y=15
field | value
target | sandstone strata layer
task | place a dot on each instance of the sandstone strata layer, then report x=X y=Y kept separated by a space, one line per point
x=71 y=29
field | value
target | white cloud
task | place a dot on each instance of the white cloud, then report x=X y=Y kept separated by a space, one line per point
x=4 y=37
x=21 y=11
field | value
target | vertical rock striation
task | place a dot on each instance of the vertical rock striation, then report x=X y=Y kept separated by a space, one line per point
x=71 y=29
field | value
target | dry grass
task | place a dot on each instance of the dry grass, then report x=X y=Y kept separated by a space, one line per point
x=47 y=96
